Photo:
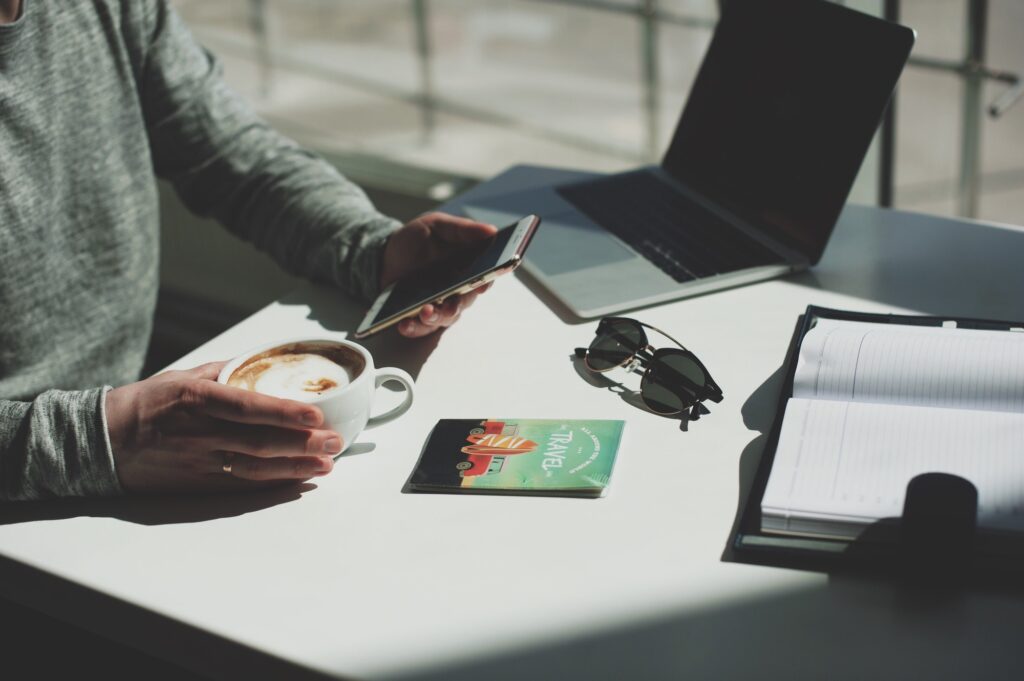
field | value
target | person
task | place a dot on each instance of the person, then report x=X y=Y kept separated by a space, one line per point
x=97 y=100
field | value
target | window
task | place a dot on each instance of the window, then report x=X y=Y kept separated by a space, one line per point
x=470 y=87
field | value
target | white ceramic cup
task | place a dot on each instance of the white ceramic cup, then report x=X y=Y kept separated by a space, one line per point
x=347 y=409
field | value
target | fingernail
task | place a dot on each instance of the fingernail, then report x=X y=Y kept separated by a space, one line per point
x=324 y=464
x=332 y=446
x=432 y=317
x=311 y=418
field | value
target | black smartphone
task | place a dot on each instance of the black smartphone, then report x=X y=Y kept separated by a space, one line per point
x=474 y=266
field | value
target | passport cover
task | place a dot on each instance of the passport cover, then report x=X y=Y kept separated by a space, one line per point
x=518 y=456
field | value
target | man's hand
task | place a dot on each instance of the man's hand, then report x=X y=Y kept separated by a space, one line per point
x=176 y=431
x=427 y=239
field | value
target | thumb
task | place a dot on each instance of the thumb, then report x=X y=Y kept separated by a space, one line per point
x=456 y=230
x=209 y=371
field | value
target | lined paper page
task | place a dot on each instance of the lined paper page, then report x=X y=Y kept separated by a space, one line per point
x=851 y=461
x=925 y=366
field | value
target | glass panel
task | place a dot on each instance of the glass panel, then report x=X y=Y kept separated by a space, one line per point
x=940 y=26
x=559 y=82
x=932 y=123
x=567 y=76
x=563 y=82
x=927 y=141
x=695 y=9
x=1002 y=160
x=929 y=109
x=366 y=41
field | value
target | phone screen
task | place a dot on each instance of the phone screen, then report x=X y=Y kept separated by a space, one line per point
x=426 y=285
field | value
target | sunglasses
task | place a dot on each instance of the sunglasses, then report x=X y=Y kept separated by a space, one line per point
x=674 y=380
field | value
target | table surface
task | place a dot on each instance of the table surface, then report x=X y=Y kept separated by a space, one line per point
x=352 y=577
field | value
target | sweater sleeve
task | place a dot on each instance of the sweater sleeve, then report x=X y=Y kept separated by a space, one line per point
x=55 y=446
x=226 y=163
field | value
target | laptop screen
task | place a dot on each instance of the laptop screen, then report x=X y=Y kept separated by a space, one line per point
x=783 y=111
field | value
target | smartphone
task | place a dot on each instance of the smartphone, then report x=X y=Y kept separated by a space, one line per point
x=474 y=266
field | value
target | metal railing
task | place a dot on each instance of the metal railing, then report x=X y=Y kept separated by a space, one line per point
x=972 y=69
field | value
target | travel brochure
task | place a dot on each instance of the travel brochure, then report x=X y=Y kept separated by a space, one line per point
x=519 y=456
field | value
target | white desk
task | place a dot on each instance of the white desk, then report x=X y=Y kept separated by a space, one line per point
x=353 y=578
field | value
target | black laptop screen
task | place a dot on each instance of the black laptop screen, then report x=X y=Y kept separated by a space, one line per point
x=783 y=111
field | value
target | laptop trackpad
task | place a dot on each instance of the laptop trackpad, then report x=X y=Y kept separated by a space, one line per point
x=565 y=242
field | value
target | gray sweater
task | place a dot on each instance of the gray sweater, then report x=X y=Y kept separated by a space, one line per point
x=98 y=98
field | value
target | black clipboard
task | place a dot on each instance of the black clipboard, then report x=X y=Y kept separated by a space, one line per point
x=936 y=535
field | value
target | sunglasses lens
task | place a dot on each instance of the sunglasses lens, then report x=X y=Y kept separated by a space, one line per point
x=615 y=343
x=672 y=383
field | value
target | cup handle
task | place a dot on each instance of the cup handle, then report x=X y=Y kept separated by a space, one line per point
x=392 y=374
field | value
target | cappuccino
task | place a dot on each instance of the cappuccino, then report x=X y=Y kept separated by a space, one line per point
x=336 y=375
x=299 y=371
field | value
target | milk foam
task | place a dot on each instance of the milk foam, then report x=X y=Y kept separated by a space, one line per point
x=302 y=377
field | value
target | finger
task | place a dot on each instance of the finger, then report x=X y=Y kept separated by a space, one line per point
x=244 y=406
x=446 y=313
x=439 y=315
x=429 y=314
x=414 y=328
x=457 y=230
x=469 y=298
x=209 y=371
x=270 y=442
x=290 y=468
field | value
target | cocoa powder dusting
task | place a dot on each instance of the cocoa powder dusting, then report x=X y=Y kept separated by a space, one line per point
x=319 y=385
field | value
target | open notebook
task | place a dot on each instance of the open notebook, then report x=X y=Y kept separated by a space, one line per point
x=874 y=405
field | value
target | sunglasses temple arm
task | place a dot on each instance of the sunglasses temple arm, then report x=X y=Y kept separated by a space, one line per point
x=696 y=411
x=664 y=334
x=715 y=392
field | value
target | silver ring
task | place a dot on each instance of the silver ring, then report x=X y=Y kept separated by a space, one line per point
x=227 y=463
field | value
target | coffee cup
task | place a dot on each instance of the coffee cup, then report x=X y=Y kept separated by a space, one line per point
x=337 y=376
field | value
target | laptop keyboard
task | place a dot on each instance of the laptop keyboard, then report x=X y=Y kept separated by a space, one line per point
x=678 y=235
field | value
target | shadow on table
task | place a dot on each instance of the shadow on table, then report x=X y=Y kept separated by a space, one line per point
x=933 y=265
x=758 y=415
x=839 y=628
x=154 y=510
x=542 y=294
x=337 y=314
x=839 y=625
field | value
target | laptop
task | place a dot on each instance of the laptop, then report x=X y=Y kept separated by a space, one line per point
x=778 y=121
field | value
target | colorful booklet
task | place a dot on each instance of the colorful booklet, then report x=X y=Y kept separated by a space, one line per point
x=518 y=456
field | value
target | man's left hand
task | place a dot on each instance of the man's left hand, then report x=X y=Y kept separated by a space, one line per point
x=425 y=240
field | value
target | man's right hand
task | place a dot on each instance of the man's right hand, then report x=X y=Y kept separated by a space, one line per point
x=175 y=432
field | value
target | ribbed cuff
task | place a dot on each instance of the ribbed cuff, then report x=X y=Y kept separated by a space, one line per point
x=368 y=260
x=107 y=455
x=70 y=454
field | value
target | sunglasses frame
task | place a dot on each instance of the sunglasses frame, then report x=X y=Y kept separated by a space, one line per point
x=645 y=356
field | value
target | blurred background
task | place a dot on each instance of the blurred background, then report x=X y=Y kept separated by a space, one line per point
x=417 y=100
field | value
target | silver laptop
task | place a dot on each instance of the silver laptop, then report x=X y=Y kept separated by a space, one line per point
x=764 y=155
